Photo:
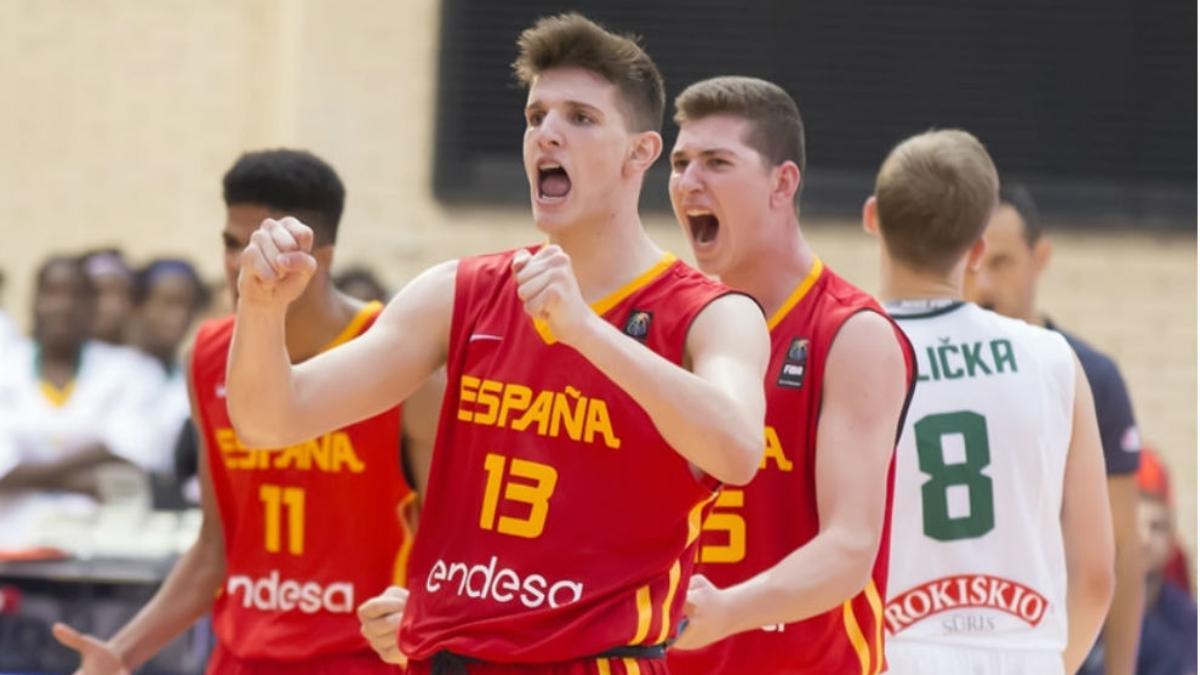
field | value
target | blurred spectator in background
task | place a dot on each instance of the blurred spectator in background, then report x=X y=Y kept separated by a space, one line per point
x=169 y=295
x=360 y=282
x=1016 y=254
x=71 y=405
x=114 y=283
x=1169 y=627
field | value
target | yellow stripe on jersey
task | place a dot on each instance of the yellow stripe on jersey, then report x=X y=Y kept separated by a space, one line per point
x=798 y=294
x=672 y=586
x=856 y=638
x=631 y=666
x=644 y=610
x=400 y=568
x=876 y=603
x=613 y=299
x=695 y=518
x=602 y=667
x=57 y=397
x=353 y=328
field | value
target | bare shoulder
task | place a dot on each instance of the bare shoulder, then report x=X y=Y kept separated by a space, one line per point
x=731 y=324
x=864 y=333
x=428 y=296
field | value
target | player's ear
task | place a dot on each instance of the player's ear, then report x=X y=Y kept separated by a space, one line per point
x=1042 y=252
x=975 y=255
x=644 y=151
x=870 y=217
x=786 y=182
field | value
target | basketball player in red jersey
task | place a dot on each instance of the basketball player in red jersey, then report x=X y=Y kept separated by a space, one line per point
x=792 y=568
x=598 y=391
x=277 y=560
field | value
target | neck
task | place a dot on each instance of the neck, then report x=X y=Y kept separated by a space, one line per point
x=607 y=255
x=316 y=318
x=901 y=282
x=60 y=355
x=772 y=274
x=1154 y=585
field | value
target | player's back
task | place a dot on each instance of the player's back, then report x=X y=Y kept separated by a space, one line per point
x=978 y=561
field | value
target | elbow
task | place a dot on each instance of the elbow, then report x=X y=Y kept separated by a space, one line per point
x=253 y=429
x=1098 y=583
x=742 y=462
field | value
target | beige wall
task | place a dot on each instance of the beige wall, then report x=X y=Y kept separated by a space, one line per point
x=119 y=117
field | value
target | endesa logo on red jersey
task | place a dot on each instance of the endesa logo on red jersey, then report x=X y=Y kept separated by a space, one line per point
x=269 y=594
x=501 y=584
x=966 y=591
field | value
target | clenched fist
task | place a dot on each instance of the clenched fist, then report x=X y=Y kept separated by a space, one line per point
x=379 y=618
x=277 y=264
x=546 y=285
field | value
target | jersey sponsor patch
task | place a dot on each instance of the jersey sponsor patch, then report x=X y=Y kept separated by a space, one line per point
x=791 y=373
x=269 y=594
x=501 y=584
x=637 y=326
x=964 y=591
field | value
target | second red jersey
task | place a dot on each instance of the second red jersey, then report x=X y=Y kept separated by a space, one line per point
x=559 y=524
x=311 y=531
x=751 y=529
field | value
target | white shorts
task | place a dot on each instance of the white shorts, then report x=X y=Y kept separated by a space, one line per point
x=910 y=658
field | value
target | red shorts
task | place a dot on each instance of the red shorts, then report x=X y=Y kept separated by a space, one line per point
x=223 y=662
x=590 y=666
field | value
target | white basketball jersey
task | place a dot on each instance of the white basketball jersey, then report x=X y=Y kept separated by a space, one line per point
x=977 y=555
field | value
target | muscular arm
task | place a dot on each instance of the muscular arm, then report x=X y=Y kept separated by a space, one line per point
x=185 y=596
x=712 y=415
x=1087 y=530
x=1123 y=626
x=275 y=404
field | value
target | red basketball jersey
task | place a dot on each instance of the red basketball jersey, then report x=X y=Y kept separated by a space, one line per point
x=558 y=523
x=751 y=529
x=311 y=531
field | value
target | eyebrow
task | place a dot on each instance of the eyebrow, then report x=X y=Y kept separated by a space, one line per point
x=539 y=105
x=708 y=152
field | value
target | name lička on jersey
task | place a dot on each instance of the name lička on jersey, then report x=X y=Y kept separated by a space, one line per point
x=331 y=453
x=547 y=413
x=950 y=360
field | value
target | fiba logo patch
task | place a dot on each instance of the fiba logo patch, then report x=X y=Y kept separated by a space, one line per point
x=637 y=326
x=791 y=374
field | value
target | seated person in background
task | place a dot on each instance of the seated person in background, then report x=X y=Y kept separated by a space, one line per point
x=1168 y=645
x=113 y=280
x=360 y=282
x=70 y=405
x=169 y=296
x=1168 y=632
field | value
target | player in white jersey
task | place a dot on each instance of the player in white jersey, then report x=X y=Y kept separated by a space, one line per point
x=1002 y=555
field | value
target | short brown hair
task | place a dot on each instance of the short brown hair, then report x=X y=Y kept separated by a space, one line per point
x=935 y=194
x=776 y=130
x=572 y=40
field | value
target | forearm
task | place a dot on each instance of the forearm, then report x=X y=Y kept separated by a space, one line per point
x=1087 y=603
x=1122 y=627
x=702 y=422
x=259 y=388
x=70 y=474
x=185 y=596
x=813 y=579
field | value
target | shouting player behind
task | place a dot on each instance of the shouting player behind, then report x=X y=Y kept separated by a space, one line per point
x=799 y=555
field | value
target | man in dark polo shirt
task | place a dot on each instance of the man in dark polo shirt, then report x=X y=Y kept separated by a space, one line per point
x=1006 y=282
